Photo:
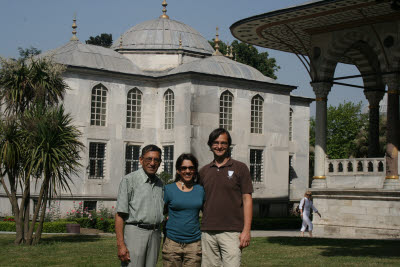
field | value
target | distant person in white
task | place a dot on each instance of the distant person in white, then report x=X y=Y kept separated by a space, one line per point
x=305 y=206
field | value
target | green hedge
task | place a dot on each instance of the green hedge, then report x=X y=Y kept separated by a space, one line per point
x=276 y=223
x=48 y=227
x=7 y=226
x=86 y=222
x=107 y=225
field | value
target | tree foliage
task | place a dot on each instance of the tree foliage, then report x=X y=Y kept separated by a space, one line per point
x=28 y=52
x=347 y=132
x=344 y=122
x=249 y=55
x=37 y=139
x=104 y=40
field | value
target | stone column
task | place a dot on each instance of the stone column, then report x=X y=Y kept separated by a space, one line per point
x=321 y=90
x=392 y=174
x=374 y=97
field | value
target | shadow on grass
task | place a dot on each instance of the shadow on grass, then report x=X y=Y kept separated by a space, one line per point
x=343 y=247
x=69 y=238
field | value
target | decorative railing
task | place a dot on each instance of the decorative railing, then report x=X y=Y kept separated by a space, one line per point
x=361 y=166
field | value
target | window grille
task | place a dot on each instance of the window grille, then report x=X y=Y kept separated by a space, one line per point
x=97 y=154
x=134 y=109
x=291 y=125
x=132 y=154
x=98 y=106
x=291 y=169
x=257 y=103
x=256 y=165
x=168 y=159
x=169 y=106
x=89 y=205
x=225 y=110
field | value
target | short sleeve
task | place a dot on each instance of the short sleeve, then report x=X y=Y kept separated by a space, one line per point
x=166 y=197
x=123 y=197
x=246 y=186
x=201 y=176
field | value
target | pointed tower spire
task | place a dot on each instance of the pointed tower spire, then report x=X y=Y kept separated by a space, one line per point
x=74 y=38
x=164 y=15
x=231 y=53
x=216 y=41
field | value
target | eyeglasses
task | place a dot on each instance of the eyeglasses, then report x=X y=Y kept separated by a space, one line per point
x=184 y=168
x=308 y=195
x=216 y=143
x=156 y=160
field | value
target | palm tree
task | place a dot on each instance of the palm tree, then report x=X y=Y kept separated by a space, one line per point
x=29 y=90
x=54 y=147
x=26 y=82
x=11 y=158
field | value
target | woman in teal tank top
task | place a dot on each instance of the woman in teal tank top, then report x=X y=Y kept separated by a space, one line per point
x=183 y=199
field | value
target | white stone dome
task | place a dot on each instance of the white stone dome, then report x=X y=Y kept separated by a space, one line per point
x=163 y=34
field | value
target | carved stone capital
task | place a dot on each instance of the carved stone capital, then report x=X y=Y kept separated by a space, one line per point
x=374 y=97
x=321 y=90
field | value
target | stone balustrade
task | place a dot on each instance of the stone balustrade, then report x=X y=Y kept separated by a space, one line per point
x=355 y=166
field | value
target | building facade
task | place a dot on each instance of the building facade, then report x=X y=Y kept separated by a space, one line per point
x=162 y=83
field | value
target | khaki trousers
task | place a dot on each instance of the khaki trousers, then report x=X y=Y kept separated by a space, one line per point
x=181 y=254
x=143 y=246
x=220 y=249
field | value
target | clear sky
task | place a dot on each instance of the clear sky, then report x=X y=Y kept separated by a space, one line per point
x=46 y=24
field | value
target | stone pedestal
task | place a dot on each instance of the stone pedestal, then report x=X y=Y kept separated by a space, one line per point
x=392 y=184
x=357 y=213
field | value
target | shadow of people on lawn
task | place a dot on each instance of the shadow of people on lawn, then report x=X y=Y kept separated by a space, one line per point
x=330 y=247
x=69 y=238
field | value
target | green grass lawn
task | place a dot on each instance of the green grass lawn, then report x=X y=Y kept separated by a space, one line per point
x=58 y=250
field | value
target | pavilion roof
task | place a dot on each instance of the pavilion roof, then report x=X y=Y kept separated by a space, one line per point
x=290 y=29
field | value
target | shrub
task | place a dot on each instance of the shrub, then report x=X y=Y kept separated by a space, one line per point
x=78 y=212
x=8 y=219
x=105 y=224
x=6 y=226
x=86 y=222
x=276 y=223
x=48 y=227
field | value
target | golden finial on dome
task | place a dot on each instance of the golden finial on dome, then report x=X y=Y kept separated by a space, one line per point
x=231 y=53
x=164 y=15
x=227 y=49
x=74 y=38
x=216 y=41
x=120 y=43
x=180 y=41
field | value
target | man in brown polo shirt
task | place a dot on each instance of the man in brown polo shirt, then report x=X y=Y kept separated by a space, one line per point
x=228 y=208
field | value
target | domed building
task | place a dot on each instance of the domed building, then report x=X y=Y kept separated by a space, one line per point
x=162 y=83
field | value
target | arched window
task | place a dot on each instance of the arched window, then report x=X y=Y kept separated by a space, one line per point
x=169 y=106
x=257 y=103
x=225 y=110
x=291 y=125
x=134 y=109
x=98 y=105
